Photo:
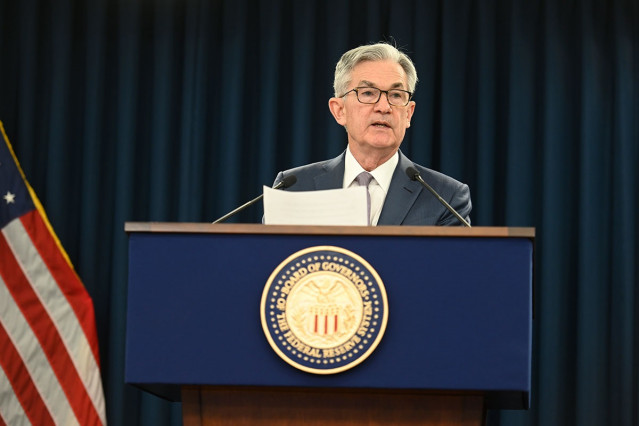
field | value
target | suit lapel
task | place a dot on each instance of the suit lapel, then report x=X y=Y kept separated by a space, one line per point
x=333 y=176
x=401 y=196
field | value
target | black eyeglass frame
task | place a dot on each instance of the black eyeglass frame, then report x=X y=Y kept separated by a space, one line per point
x=357 y=89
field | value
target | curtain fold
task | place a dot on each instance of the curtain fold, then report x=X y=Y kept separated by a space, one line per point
x=171 y=110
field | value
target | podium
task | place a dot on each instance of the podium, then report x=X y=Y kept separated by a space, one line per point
x=457 y=341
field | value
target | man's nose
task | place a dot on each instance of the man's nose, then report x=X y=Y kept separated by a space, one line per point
x=382 y=104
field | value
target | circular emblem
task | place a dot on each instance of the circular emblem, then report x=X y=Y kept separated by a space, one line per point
x=324 y=310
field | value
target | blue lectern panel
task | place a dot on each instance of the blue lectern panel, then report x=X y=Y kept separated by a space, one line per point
x=459 y=312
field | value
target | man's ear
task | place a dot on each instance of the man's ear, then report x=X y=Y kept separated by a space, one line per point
x=410 y=111
x=336 y=105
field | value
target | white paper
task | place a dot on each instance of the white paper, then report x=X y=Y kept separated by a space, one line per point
x=328 y=207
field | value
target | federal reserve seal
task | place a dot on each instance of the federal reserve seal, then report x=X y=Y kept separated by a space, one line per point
x=324 y=310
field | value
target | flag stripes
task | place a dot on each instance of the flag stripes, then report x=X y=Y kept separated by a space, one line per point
x=24 y=343
x=49 y=362
x=55 y=267
x=53 y=322
x=23 y=390
x=67 y=293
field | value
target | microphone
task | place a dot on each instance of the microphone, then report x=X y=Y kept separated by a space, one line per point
x=413 y=174
x=288 y=181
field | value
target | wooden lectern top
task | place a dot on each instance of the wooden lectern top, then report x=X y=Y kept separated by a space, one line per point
x=416 y=231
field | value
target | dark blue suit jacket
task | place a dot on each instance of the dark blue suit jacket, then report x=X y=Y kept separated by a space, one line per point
x=407 y=201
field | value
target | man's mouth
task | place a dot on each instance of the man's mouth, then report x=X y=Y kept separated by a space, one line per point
x=381 y=124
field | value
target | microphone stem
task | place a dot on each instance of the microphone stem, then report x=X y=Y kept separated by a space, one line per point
x=245 y=205
x=441 y=200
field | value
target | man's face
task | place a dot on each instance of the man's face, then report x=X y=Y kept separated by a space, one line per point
x=374 y=129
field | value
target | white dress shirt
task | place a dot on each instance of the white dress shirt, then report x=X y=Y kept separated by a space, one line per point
x=378 y=188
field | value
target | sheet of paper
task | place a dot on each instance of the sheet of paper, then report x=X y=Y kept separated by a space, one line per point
x=329 y=207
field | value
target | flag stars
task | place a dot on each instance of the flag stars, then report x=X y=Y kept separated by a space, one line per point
x=10 y=198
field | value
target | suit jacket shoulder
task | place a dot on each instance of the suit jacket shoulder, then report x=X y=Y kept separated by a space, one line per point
x=409 y=203
x=328 y=174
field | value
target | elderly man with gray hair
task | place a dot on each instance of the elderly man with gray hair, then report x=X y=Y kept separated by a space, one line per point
x=374 y=86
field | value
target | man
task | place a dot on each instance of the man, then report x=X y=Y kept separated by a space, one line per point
x=374 y=85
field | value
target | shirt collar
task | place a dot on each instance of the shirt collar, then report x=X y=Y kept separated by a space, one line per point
x=383 y=174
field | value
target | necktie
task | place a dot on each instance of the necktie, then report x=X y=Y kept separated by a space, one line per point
x=364 y=179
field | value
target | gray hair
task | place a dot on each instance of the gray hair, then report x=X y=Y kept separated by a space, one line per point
x=371 y=52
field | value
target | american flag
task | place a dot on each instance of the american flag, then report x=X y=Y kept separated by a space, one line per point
x=49 y=364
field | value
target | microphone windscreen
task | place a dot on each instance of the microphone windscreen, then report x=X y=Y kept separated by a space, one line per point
x=412 y=173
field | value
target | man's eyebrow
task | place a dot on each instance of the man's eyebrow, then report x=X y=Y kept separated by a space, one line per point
x=367 y=83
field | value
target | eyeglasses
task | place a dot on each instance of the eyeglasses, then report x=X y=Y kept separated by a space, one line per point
x=371 y=95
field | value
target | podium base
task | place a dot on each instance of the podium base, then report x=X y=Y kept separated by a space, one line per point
x=239 y=406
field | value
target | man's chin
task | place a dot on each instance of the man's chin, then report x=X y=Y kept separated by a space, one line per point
x=377 y=153
x=383 y=144
x=375 y=144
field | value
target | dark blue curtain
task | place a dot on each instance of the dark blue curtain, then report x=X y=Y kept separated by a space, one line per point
x=179 y=110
